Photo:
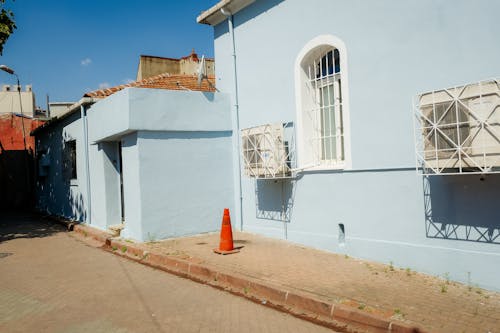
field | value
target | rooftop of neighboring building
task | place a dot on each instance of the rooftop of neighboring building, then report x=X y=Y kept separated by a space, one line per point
x=193 y=55
x=161 y=81
x=188 y=65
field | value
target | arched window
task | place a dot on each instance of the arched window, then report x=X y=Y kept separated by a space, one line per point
x=322 y=106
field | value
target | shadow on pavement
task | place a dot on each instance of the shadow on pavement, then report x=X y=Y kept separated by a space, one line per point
x=18 y=224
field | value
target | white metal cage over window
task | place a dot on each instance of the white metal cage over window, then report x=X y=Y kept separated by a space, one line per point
x=458 y=129
x=268 y=151
x=321 y=104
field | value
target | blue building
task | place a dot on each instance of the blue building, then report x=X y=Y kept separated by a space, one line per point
x=334 y=101
x=152 y=157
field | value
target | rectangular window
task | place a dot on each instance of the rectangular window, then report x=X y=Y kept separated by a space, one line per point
x=69 y=158
x=327 y=113
x=72 y=153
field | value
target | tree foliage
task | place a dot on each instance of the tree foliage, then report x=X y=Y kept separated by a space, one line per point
x=7 y=24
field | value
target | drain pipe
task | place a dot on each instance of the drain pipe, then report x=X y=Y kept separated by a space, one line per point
x=229 y=17
x=83 y=111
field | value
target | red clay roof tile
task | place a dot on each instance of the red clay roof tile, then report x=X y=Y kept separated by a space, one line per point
x=161 y=81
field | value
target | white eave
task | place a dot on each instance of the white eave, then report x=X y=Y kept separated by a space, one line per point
x=213 y=16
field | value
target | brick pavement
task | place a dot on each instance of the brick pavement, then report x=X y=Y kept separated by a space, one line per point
x=52 y=282
x=432 y=303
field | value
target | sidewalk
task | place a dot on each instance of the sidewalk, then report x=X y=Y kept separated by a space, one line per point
x=374 y=294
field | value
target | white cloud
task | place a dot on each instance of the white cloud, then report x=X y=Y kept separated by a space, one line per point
x=128 y=80
x=103 y=85
x=86 y=62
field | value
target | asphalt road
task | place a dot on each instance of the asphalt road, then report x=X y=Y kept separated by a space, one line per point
x=52 y=282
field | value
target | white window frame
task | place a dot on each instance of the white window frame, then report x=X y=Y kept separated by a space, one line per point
x=303 y=93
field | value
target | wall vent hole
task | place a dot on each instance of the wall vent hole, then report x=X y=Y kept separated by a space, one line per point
x=341 y=234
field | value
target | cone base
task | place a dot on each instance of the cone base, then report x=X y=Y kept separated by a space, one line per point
x=226 y=252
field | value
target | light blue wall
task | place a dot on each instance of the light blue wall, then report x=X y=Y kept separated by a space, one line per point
x=132 y=191
x=56 y=193
x=176 y=159
x=135 y=109
x=192 y=182
x=395 y=49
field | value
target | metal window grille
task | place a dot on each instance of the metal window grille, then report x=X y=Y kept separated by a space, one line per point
x=69 y=159
x=457 y=130
x=268 y=151
x=43 y=162
x=327 y=139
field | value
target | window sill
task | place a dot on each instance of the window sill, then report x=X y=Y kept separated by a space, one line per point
x=322 y=167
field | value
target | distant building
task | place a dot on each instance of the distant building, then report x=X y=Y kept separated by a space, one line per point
x=16 y=123
x=188 y=65
x=57 y=109
x=9 y=100
x=18 y=117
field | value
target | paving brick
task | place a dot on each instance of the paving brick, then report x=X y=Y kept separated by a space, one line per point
x=54 y=282
x=375 y=292
x=410 y=298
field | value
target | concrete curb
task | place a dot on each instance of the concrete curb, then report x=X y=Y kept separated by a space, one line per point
x=337 y=316
x=98 y=235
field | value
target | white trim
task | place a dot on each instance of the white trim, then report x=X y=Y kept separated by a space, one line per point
x=214 y=15
x=337 y=43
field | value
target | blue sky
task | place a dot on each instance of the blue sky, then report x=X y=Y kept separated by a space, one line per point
x=66 y=48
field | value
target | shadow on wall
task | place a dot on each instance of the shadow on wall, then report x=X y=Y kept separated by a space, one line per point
x=274 y=199
x=463 y=207
x=58 y=183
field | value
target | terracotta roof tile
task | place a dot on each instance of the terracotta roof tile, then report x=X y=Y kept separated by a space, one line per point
x=161 y=81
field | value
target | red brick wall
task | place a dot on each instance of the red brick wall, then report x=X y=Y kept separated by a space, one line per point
x=11 y=132
x=16 y=164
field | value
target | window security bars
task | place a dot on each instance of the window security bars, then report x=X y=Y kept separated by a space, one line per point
x=69 y=160
x=268 y=151
x=327 y=137
x=457 y=130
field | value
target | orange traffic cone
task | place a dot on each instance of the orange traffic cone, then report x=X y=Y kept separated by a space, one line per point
x=226 y=236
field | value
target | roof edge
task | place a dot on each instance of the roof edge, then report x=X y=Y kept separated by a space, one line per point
x=213 y=15
x=72 y=109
